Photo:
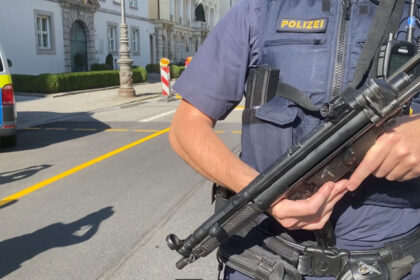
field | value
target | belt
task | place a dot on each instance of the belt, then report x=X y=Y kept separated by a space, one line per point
x=279 y=257
x=392 y=261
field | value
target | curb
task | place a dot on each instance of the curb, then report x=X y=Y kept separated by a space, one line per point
x=128 y=103
x=60 y=94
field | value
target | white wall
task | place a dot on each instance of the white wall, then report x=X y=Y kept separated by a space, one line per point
x=223 y=7
x=17 y=35
x=110 y=13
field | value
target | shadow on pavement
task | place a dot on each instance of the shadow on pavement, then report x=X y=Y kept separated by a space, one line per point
x=56 y=128
x=15 y=251
x=8 y=203
x=15 y=175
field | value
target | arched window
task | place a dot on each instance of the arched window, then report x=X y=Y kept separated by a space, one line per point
x=78 y=47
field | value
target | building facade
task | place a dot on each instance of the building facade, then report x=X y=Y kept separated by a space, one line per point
x=181 y=26
x=223 y=6
x=54 y=36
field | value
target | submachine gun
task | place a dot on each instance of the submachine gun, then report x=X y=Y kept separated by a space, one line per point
x=354 y=120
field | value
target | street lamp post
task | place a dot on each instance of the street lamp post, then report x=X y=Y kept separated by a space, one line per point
x=126 y=74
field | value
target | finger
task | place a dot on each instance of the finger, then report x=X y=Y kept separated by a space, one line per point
x=319 y=224
x=340 y=186
x=300 y=223
x=314 y=225
x=408 y=176
x=372 y=160
x=397 y=172
x=397 y=162
x=299 y=208
x=385 y=167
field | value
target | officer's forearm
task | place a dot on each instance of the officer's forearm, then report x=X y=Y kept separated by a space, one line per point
x=193 y=139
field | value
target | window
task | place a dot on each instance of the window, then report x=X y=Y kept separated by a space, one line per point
x=43 y=32
x=135 y=41
x=112 y=38
x=133 y=4
x=117 y=1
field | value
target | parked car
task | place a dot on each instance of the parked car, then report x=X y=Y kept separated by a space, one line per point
x=8 y=114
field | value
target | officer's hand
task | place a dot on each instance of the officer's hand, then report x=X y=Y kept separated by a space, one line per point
x=312 y=213
x=395 y=155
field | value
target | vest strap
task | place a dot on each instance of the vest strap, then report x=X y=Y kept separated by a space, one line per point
x=381 y=22
x=296 y=96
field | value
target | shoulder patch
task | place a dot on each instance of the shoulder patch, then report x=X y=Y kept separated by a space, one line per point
x=317 y=25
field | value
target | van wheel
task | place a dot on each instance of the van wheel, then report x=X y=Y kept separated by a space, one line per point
x=9 y=141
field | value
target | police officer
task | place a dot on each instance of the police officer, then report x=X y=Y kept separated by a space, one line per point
x=316 y=46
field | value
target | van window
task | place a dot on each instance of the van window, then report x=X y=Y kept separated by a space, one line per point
x=1 y=66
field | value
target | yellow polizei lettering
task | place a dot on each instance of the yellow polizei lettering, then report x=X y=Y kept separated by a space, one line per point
x=322 y=24
x=298 y=25
x=310 y=24
x=292 y=23
x=316 y=24
x=304 y=24
x=284 y=23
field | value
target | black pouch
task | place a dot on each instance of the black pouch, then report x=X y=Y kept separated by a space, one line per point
x=249 y=252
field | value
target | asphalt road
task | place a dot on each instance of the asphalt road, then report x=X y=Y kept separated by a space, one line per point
x=92 y=195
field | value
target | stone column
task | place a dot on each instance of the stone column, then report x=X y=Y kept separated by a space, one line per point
x=126 y=74
x=171 y=44
x=159 y=45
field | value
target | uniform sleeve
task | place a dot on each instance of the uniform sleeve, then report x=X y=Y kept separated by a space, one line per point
x=214 y=80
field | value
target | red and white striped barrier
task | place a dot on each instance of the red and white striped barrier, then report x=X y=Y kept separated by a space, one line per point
x=165 y=77
x=187 y=61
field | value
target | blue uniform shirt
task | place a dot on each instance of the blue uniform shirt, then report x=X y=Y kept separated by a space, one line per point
x=214 y=83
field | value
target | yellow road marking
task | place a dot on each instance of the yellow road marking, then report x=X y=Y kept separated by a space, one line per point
x=55 y=128
x=84 y=129
x=116 y=130
x=73 y=170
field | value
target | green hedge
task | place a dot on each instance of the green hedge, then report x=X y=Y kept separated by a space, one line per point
x=153 y=68
x=176 y=70
x=52 y=83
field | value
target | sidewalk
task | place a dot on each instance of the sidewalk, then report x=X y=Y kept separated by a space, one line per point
x=77 y=102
